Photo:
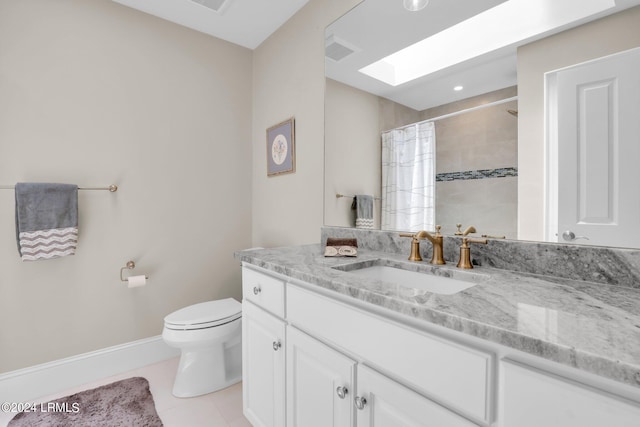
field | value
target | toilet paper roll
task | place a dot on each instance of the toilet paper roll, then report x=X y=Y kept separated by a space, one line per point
x=135 y=281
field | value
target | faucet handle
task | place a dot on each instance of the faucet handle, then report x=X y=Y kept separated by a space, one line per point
x=465 y=252
x=438 y=228
x=416 y=236
x=470 y=240
x=415 y=245
x=458 y=231
x=493 y=237
x=412 y=235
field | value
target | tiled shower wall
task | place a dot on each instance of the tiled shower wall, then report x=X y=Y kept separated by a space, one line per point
x=476 y=165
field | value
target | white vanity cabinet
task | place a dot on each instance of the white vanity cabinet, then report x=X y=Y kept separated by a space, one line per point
x=263 y=349
x=346 y=365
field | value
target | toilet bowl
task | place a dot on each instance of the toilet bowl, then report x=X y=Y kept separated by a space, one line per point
x=209 y=337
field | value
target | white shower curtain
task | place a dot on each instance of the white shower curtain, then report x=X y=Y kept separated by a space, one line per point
x=408 y=178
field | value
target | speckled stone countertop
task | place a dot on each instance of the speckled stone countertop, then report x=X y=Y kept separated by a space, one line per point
x=589 y=326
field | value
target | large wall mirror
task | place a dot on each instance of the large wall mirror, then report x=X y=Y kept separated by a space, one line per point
x=482 y=88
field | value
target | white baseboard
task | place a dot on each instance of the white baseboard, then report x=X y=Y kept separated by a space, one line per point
x=53 y=377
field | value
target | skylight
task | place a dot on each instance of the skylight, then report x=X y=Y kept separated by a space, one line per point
x=504 y=25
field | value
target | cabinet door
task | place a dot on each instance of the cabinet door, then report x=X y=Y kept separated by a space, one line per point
x=263 y=364
x=319 y=383
x=531 y=398
x=382 y=402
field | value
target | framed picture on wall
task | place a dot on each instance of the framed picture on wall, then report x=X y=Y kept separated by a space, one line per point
x=281 y=156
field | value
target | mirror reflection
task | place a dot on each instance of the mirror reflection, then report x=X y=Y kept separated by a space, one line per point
x=489 y=133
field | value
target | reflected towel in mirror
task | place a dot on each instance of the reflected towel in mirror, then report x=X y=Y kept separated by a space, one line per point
x=363 y=204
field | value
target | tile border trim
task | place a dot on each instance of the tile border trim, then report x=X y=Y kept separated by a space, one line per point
x=477 y=174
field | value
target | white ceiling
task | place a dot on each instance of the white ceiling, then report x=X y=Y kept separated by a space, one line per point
x=377 y=28
x=243 y=22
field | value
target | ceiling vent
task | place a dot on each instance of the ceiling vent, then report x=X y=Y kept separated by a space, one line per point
x=336 y=49
x=218 y=6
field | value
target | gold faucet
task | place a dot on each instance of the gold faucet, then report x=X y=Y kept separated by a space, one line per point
x=436 y=241
x=465 y=250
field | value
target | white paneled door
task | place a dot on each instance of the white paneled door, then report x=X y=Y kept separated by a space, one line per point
x=593 y=152
x=263 y=367
x=319 y=383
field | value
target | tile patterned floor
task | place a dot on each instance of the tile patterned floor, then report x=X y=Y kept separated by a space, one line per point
x=220 y=409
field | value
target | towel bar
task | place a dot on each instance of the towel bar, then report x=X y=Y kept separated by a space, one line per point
x=112 y=188
x=338 y=195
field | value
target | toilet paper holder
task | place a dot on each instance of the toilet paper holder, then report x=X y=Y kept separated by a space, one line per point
x=129 y=266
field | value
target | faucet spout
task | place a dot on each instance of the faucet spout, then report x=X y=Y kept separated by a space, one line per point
x=425 y=235
x=470 y=229
x=436 y=241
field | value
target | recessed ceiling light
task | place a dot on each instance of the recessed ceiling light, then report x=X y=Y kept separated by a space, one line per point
x=458 y=88
x=415 y=5
x=517 y=20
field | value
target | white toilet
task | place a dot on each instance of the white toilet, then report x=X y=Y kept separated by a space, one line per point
x=209 y=335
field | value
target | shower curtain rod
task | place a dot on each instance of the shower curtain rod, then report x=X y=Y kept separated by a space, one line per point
x=112 y=188
x=457 y=113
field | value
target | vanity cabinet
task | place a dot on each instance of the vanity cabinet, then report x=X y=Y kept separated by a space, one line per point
x=347 y=365
x=263 y=350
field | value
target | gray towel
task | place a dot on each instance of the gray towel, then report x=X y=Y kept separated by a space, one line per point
x=364 y=211
x=46 y=220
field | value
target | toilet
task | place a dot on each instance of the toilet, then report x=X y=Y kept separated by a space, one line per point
x=209 y=336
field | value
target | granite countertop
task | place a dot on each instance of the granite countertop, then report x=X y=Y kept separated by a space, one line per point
x=589 y=326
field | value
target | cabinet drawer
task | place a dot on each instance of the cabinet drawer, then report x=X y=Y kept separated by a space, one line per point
x=263 y=290
x=532 y=398
x=448 y=373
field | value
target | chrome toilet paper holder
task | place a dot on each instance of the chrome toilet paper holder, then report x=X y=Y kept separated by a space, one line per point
x=129 y=266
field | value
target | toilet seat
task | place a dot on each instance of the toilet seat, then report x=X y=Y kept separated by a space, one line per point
x=204 y=315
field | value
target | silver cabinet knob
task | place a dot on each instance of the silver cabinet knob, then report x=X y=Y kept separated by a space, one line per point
x=276 y=345
x=342 y=392
x=256 y=290
x=360 y=402
x=570 y=236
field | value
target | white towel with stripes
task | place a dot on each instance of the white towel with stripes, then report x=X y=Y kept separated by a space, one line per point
x=46 y=244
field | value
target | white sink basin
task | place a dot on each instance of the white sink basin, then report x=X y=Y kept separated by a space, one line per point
x=422 y=280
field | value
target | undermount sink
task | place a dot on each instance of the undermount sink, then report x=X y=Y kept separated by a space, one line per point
x=424 y=277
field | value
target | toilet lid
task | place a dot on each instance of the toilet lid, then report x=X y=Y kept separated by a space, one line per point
x=204 y=315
